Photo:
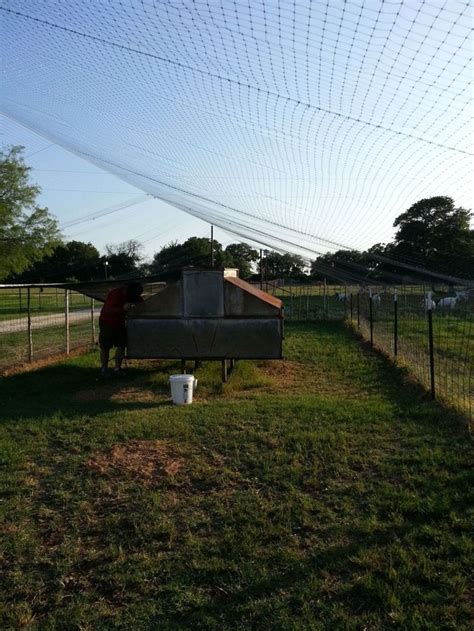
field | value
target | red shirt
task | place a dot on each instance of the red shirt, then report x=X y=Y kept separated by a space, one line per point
x=112 y=312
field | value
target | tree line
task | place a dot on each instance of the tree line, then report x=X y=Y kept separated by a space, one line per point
x=432 y=235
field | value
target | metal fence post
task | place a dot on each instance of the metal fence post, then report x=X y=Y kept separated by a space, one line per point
x=92 y=321
x=350 y=298
x=395 y=323
x=66 y=316
x=429 y=304
x=371 y=318
x=30 y=332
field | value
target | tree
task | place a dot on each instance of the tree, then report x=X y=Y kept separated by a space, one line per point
x=242 y=256
x=434 y=234
x=123 y=258
x=74 y=260
x=27 y=231
x=195 y=252
x=284 y=266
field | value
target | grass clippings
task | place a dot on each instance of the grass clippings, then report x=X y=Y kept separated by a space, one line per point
x=146 y=460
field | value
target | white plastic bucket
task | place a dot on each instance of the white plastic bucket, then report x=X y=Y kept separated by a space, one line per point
x=182 y=387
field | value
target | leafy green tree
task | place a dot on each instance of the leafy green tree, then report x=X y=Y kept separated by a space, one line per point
x=194 y=252
x=242 y=256
x=435 y=234
x=27 y=231
x=283 y=266
x=74 y=260
x=124 y=258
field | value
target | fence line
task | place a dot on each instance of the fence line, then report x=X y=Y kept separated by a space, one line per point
x=431 y=333
x=42 y=321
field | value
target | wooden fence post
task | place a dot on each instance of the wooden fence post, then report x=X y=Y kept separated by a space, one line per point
x=395 y=323
x=30 y=331
x=92 y=321
x=371 y=317
x=66 y=319
x=358 y=308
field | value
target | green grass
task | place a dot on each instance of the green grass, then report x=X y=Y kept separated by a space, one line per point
x=13 y=302
x=47 y=341
x=323 y=492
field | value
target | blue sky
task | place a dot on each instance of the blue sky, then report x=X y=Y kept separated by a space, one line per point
x=303 y=125
x=73 y=188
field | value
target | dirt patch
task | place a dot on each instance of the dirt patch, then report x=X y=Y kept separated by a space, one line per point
x=116 y=393
x=146 y=460
x=285 y=376
x=285 y=373
x=134 y=395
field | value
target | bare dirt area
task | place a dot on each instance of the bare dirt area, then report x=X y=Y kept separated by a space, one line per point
x=285 y=375
x=146 y=460
x=118 y=393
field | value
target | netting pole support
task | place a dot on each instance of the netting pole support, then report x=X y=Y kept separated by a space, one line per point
x=30 y=332
x=431 y=344
x=371 y=313
x=92 y=321
x=395 y=324
x=66 y=319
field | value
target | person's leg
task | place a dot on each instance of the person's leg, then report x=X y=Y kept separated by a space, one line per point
x=104 y=359
x=105 y=344
x=120 y=342
x=119 y=354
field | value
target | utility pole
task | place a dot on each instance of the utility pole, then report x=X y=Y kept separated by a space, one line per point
x=212 y=246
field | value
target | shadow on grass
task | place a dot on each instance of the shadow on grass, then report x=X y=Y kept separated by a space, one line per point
x=55 y=389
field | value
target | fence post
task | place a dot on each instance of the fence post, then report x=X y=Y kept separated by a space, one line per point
x=351 y=305
x=19 y=295
x=325 y=299
x=429 y=304
x=358 y=308
x=30 y=332
x=395 y=323
x=66 y=316
x=92 y=321
x=371 y=318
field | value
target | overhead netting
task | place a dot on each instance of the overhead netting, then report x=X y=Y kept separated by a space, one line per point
x=303 y=125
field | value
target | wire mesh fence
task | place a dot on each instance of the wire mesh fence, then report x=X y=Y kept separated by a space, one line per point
x=432 y=333
x=429 y=332
x=37 y=322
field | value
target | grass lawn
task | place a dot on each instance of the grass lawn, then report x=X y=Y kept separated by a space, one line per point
x=322 y=492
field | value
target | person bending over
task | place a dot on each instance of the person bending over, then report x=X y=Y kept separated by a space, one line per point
x=112 y=331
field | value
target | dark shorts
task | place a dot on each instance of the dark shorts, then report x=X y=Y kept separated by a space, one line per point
x=109 y=336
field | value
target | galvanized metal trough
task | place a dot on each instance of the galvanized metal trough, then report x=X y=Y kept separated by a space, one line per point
x=207 y=315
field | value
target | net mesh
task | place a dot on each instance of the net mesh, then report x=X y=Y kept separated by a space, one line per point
x=298 y=124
